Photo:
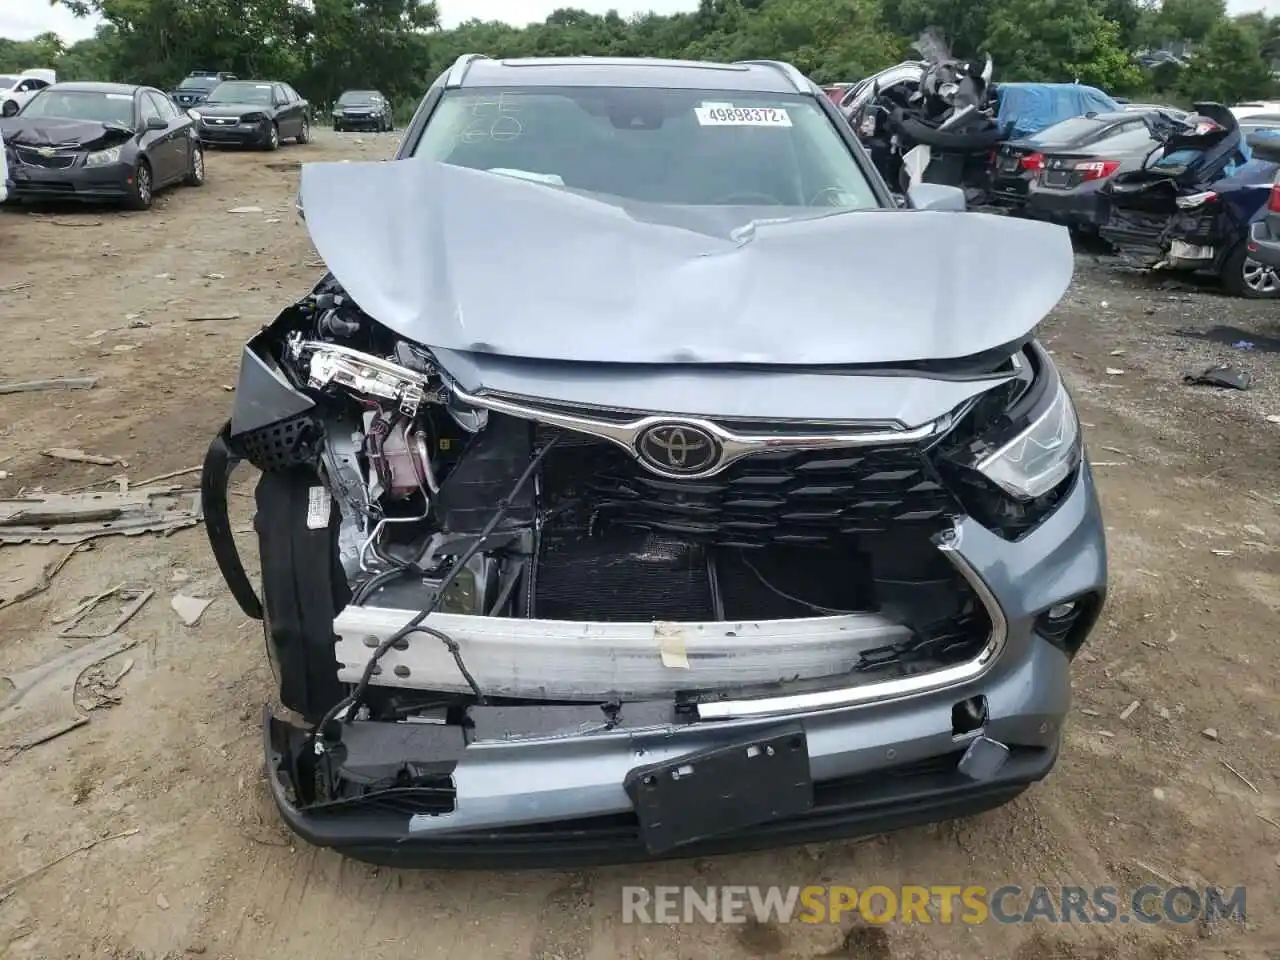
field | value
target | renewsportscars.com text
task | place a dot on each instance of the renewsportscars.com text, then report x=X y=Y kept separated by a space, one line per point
x=933 y=904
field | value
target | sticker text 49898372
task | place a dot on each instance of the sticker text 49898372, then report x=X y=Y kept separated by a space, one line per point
x=728 y=116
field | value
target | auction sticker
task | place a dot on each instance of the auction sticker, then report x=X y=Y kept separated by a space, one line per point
x=727 y=115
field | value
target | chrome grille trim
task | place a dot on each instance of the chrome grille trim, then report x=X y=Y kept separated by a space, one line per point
x=734 y=446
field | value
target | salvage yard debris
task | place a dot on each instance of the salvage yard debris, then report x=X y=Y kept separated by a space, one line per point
x=1221 y=375
x=224 y=315
x=72 y=518
x=189 y=609
x=79 y=456
x=135 y=597
x=46 y=576
x=41 y=705
x=53 y=383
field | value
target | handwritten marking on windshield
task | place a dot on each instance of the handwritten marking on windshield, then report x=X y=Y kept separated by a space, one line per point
x=494 y=119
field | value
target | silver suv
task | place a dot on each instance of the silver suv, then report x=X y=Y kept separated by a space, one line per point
x=642 y=481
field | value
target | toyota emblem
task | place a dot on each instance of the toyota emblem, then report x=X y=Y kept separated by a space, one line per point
x=679 y=448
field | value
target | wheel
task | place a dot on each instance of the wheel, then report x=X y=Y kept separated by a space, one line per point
x=1242 y=276
x=337 y=127
x=142 y=189
x=10 y=109
x=304 y=134
x=195 y=174
x=273 y=138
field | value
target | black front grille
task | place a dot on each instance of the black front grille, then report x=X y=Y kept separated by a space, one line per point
x=34 y=158
x=771 y=498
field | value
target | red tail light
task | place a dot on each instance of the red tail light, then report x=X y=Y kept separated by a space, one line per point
x=1096 y=169
x=1032 y=161
x=1273 y=201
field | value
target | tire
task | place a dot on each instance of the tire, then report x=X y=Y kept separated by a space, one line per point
x=10 y=109
x=273 y=138
x=142 y=190
x=195 y=173
x=1245 y=277
x=337 y=127
x=304 y=134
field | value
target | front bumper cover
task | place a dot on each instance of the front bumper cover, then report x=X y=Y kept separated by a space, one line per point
x=109 y=182
x=527 y=786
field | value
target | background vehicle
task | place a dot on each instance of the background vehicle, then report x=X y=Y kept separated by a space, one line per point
x=196 y=87
x=1192 y=205
x=1242 y=111
x=1063 y=165
x=1152 y=108
x=937 y=109
x=15 y=91
x=101 y=141
x=362 y=110
x=1025 y=109
x=1264 y=232
x=4 y=170
x=254 y=113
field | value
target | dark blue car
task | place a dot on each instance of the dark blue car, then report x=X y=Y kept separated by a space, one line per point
x=1192 y=205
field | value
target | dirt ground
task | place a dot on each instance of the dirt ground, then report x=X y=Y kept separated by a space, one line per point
x=1190 y=480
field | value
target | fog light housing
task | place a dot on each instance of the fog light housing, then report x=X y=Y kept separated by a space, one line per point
x=1066 y=624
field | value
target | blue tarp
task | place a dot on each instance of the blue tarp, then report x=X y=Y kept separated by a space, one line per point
x=1030 y=107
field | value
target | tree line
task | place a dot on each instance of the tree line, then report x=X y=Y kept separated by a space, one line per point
x=325 y=46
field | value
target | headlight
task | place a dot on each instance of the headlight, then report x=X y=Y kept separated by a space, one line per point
x=253 y=118
x=102 y=158
x=337 y=112
x=1043 y=454
x=193 y=113
x=1010 y=458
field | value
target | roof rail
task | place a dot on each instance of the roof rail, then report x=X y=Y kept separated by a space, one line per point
x=798 y=79
x=458 y=72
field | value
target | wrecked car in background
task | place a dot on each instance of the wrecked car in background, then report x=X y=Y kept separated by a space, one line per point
x=99 y=142
x=1058 y=173
x=939 y=107
x=609 y=528
x=1192 y=205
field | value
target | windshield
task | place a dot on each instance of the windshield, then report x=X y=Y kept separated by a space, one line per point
x=198 y=83
x=8 y=82
x=81 y=105
x=241 y=91
x=356 y=96
x=680 y=147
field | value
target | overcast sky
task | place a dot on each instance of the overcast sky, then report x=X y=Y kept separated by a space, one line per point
x=23 y=19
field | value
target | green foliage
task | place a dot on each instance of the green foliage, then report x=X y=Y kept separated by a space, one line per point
x=1062 y=41
x=1228 y=67
x=324 y=46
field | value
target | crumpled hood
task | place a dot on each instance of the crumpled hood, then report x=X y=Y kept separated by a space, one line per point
x=53 y=132
x=487 y=263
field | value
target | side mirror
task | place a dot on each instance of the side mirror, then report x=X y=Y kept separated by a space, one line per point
x=157 y=123
x=936 y=196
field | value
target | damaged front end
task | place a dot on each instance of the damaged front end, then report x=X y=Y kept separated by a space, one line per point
x=523 y=614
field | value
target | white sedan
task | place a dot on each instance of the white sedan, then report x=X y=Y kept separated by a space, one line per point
x=16 y=90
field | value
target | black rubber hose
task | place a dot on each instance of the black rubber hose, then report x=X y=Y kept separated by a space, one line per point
x=974 y=142
x=215 y=476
